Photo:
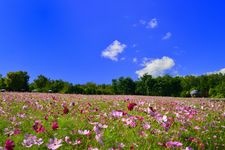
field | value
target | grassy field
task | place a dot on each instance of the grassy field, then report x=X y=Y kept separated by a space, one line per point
x=56 y=121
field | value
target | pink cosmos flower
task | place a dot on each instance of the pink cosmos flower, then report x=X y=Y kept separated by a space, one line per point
x=17 y=131
x=31 y=140
x=85 y=132
x=223 y=114
x=197 y=128
x=54 y=144
x=9 y=145
x=117 y=114
x=77 y=142
x=97 y=129
x=121 y=145
x=67 y=140
x=143 y=134
x=189 y=148
x=98 y=138
x=130 y=121
x=173 y=144
x=146 y=126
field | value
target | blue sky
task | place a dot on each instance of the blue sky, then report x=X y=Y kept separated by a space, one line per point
x=104 y=39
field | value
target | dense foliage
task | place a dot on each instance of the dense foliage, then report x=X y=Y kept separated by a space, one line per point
x=212 y=85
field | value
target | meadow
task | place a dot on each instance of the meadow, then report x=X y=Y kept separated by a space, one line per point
x=67 y=121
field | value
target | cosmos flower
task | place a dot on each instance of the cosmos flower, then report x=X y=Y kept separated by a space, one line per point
x=9 y=144
x=77 y=142
x=97 y=129
x=85 y=132
x=189 y=148
x=55 y=125
x=38 y=127
x=31 y=140
x=131 y=106
x=173 y=144
x=54 y=144
x=117 y=114
x=146 y=126
x=65 y=110
x=130 y=121
x=17 y=131
x=67 y=140
x=98 y=138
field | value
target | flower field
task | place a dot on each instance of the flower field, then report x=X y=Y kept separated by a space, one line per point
x=57 y=121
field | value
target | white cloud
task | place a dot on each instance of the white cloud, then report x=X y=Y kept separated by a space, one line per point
x=156 y=67
x=134 y=45
x=143 y=22
x=217 y=72
x=152 y=23
x=135 y=60
x=167 y=36
x=113 y=50
x=123 y=58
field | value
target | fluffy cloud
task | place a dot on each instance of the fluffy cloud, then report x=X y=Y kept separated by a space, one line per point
x=167 y=36
x=156 y=67
x=113 y=50
x=217 y=72
x=152 y=23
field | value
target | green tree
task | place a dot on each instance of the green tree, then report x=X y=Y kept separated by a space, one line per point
x=123 y=86
x=17 y=81
x=90 y=88
x=189 y=83
x=78 y=89
x=57 y=86
x=145 y=85
x=2 y=82
x=42 y=83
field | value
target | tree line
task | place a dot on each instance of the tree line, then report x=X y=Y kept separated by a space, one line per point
x=212 y=85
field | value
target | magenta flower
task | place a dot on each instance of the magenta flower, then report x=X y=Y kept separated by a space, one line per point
x=9 y=145
x=131 y=106
x=65 y=110
x=55 y=125
x=38 y=127
x=54 y=144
